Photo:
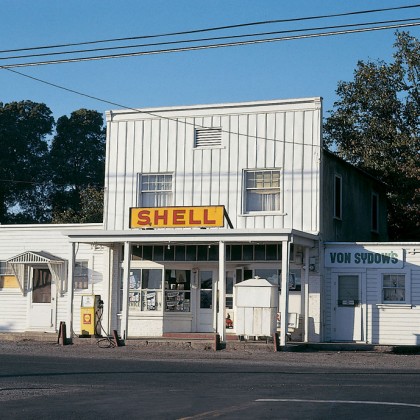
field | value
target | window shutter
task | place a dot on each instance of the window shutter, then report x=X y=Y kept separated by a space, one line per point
x=208 y=137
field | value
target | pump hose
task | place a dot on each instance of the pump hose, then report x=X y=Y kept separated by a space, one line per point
x=103 y=342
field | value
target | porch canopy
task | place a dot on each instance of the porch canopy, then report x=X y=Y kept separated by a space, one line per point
x=210 y=236
x=56 y=265
x=203 y=236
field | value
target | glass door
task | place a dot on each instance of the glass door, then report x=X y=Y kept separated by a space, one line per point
x=206 y=301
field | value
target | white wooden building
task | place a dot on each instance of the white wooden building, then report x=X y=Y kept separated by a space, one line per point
x=372 y=293
x=198 y=199
x=34 y=286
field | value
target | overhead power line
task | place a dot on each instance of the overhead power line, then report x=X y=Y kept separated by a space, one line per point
x=139 y=111
x=258 y=34
x=209 y=46
x=218 y=28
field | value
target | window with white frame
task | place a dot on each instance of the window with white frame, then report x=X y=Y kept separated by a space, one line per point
x=5 y=269
x=262 y=190
x=81 y=274
x=145 y=290
x=155 y=190
x=394 y=288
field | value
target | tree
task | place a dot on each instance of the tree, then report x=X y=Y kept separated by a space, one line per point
x=375 y=126
x=77 y=162
x=91 y=208
x=24 y=127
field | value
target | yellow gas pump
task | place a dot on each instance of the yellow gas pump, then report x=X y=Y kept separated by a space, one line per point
x=88 y=315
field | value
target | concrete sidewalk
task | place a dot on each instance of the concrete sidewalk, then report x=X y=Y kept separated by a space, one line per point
x=209 y=343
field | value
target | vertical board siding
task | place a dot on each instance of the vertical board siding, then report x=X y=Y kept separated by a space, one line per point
x=121 y=172
x=288 y=139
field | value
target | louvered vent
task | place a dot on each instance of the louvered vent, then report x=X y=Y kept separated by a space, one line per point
x=208 y=137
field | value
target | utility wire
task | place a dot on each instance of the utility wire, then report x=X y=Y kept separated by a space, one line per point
x=188 y=49
x=219 y=28
x=205 y=47
x=353 y=25
x=139 y=111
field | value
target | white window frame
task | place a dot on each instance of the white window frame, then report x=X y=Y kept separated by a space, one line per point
x=390 y=304
x=407 y=288
x=270 y=190
x=6 y=269
x=158 y=193
x=84 y=271
x=140 y=297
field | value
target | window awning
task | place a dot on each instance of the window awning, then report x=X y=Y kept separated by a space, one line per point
x=56 y=265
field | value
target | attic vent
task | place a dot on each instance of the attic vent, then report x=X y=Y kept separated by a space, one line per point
x=208 y=137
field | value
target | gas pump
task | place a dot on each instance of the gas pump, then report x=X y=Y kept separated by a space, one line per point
x=90 y=314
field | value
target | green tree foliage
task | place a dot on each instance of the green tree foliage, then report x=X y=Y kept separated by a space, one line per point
x=77 y=163
x=24 y=128
x=91 y=208
x=375 y=126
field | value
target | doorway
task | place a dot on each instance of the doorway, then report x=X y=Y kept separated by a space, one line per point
x=42 y=300
x=206 y=300
x=347 y=307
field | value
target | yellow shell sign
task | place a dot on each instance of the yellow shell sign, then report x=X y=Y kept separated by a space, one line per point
x=176 y=217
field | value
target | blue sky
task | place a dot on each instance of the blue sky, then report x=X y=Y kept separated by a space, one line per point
x=279 y=70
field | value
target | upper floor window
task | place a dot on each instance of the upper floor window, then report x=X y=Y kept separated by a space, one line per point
x=208 y=137
x=393 y=288
x=375 y=212
x=262 y=190
x=338 y=197
x=155 y=190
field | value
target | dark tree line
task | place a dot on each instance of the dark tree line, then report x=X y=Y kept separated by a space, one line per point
x=50 y=172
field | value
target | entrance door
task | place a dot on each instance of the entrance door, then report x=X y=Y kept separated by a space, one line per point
x=42 y=313
x=347 y=308
x=206 y=301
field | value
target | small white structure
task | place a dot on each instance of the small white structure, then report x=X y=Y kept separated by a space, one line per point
x=372 y=293
x=256 y=307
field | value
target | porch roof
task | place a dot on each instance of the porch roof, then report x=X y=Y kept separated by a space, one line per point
x=194 y=236
x=35 y=257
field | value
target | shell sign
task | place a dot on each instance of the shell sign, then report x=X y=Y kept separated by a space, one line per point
x=176 y=217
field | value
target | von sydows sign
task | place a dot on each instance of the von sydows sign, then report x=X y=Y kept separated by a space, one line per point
x=364 y=257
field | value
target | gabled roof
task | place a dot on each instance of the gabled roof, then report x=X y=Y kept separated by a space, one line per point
x=35 y=257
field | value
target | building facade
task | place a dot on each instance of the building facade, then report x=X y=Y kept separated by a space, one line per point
x=200 y=198
x=372 y=293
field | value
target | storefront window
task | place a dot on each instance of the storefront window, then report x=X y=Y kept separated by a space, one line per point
x=177 y=291
x=145 y=290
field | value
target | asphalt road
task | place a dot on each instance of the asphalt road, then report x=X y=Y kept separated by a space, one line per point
x=45 y=381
